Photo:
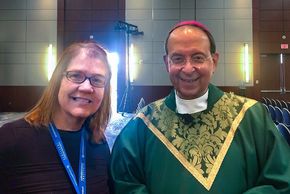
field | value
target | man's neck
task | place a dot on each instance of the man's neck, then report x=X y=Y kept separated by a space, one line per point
x=191 y=106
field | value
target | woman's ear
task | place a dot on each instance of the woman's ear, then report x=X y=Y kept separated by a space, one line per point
x=165 y=59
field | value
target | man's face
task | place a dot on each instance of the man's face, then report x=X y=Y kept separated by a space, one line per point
x=189 y=62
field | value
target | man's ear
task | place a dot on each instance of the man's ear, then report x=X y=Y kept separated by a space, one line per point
x=215 y=58
x=165 y=59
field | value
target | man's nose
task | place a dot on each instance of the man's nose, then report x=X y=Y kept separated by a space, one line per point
x=189 y=66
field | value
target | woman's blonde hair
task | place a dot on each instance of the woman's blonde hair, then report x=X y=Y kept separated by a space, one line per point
x=42 y=113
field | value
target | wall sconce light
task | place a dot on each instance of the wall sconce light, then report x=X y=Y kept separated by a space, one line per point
x=282 y=75
x=246 y=63
x=132 y=62
x=50 y=62
x=281 y=58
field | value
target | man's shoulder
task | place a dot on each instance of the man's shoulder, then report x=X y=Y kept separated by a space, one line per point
x=241 y=99
x=152 y=106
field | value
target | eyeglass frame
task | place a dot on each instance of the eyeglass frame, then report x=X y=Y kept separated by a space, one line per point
x=85 y=77
x=193 y=59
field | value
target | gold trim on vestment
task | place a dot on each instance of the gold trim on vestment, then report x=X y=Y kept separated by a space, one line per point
x=205 y=181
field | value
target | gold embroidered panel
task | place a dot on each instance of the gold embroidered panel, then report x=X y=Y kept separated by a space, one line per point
x=199 y=141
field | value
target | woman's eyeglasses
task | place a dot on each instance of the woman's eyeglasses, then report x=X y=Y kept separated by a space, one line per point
x=79 y=77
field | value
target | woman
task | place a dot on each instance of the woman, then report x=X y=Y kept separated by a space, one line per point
x=59 y=146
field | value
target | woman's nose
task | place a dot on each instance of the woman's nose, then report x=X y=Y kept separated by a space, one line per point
x=86 y=86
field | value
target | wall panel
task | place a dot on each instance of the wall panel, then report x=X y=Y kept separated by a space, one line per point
x=273 y=23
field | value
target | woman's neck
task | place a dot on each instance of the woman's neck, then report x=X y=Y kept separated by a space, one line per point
x=67 y=124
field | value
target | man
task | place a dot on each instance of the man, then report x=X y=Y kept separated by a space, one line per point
x=199 y=139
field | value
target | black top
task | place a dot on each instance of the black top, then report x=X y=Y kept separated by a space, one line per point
x=29 y=162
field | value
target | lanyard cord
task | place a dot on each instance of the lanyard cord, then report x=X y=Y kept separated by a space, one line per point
x=80 y=187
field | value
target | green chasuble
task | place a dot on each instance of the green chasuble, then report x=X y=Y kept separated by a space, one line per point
x=232 y=147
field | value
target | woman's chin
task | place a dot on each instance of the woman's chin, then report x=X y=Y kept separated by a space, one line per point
x=81 y=115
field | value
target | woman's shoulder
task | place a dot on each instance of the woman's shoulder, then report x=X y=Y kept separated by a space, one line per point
x=20 y=133
x=10 y=133
x=19 y=127
x=19 y=123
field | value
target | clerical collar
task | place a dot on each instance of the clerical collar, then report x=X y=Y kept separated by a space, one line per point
x=191 y=106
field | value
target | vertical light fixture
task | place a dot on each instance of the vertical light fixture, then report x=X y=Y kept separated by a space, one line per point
x=50 y=62
x=132 y=62
x=282 y=75
x=246 y=63
x=113 y=59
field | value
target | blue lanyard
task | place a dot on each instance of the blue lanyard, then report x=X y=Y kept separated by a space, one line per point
x=80 y=187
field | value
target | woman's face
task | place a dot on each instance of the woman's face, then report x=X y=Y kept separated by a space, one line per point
x=80 y=100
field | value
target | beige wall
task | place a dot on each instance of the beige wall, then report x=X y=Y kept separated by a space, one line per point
x=229 y=20
x=27 y=27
